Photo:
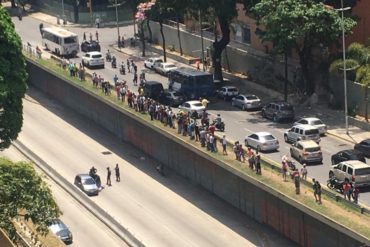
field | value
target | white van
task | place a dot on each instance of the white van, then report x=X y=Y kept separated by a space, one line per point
x=60 y=41
x=302 y=132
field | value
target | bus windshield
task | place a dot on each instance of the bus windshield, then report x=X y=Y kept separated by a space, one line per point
x=70 y=40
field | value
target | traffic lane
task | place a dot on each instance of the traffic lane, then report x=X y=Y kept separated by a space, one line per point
x=242 y=123
x=85 y=228
x=162 y=211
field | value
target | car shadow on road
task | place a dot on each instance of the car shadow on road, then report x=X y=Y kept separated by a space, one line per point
x=195 y=194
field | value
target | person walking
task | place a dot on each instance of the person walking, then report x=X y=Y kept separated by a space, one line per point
x=224 y=144
x=284 y=169
x=97 y=35
x=109 y=173
x=304 y=172
x=118 y=176
x=316 y=190
x=346 y=189
x=258 y=164
x=355 y=194
x=97 y=22
x=84 y=36
x=297 y=180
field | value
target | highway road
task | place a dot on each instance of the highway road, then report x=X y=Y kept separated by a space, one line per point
x=161 y=211
x=86 y=229
x=238 y=123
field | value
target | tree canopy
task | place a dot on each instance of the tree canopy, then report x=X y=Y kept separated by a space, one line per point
x=23 y=193
x=303 y=25
x=12 y=81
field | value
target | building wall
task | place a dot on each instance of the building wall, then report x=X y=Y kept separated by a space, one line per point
x=361 y=32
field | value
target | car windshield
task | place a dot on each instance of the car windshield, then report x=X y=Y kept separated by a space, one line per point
x=362 y=171
x=251 y=97
x=356 y=157
x=312 y=132
x=96 y=56
x=313 y=149
x=233 y=90
x=286 y=108
x=317 y=122
x=70 y=40
x=89 y=181
x=158 y=61
x=268 y=138
x=197 y=104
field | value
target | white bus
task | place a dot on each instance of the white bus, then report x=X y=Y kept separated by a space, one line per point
x=60 y=41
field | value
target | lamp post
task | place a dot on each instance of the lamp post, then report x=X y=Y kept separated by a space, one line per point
x=63 y=18
x=344 y=66
x=201 y=37
x=116 y=5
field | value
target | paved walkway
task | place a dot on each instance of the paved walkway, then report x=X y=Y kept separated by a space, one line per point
x=333 y=118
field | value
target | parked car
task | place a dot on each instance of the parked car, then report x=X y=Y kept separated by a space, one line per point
x=164 y=68
x=262 y=141
x=349 y=154
x=356 y=171
x=246 y=102
x=153 y=89
x=93 y=59
x=172 y=98
x=313 y=121
x=87 y=46
x=193 y=105
x=364 y=147
x=278 y=111
x=306 y=151
x=149 y=63
x=302 y=132
x=87 y=184
x=61 y=231
x=227 y=92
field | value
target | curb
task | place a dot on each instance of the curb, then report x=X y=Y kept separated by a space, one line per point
x=115 y=226
x=340 y=137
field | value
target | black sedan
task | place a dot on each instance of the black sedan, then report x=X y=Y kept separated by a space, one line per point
x=364 y=147
x=87 y=46
x=345 y=155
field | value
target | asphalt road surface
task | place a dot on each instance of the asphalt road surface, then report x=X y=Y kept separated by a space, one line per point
x=238 y=123
x=86 y=229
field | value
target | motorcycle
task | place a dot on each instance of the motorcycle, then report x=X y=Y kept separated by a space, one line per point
x=291 y=165
x=122 y=70
x=114 y=64
x=219 y=125
x=335 y=184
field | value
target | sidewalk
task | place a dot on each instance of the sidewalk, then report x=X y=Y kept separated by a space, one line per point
x=333 y=118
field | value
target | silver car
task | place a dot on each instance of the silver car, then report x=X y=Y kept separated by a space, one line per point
x=246 y=102
x=262 y=141
x=313 y=121
x=61 y=231
x=87 y=184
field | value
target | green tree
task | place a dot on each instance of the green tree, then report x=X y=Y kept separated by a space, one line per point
x=358 y=60
x=23 y=193
x=12 y=81
x=303 y=25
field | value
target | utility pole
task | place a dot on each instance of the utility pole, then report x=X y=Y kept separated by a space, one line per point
x=116 y=5
x=201 y=38
x=91 y=14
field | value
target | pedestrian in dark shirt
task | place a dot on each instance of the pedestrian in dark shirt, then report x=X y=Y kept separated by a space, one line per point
x=118 y=177
x=258 y=164
x=109 y=173
x=316 y=190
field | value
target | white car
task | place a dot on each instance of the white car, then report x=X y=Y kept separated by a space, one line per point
x=164 y=68
x=193 y=105
x=246 y=102
x=93 y=59
x=313 y=121
x=227 y=92
x=262 y=141
x=149 y=63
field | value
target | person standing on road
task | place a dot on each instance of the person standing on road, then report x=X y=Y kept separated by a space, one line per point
x=118 y=176
x=97 y=22
x=109 y=173
x=97 y=35
x=128 y=66
x=84 y=36
x=304 y=172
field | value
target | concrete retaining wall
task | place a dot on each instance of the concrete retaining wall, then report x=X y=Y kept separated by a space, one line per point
x=255 y=199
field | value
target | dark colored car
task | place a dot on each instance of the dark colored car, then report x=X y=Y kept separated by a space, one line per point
x=61 y=231
x=278 y=111
x=87 y=184
x=364 y=147
x=87 y=46
x=172 y=98
x=153 y=89
x=345 y=155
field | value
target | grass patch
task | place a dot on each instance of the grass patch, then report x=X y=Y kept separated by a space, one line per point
x=337 y=211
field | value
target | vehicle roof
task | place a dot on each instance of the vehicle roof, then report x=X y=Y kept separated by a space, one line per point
x=366 y=140
x=155 y=58
x=190 y=71
x=355 y=163
x=59 y=31
x=350 y=151
x=193 y=102
x=310 y=118
x=263 y=133
x=305 y=126
x=94 y=53
x=308 y=143
x=152 y=82
x=84 y=176
x=280 y=102
x=168 y=64
x=229 y=87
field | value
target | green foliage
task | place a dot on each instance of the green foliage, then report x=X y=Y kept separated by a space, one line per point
x=23 y=193
x=12 y=81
